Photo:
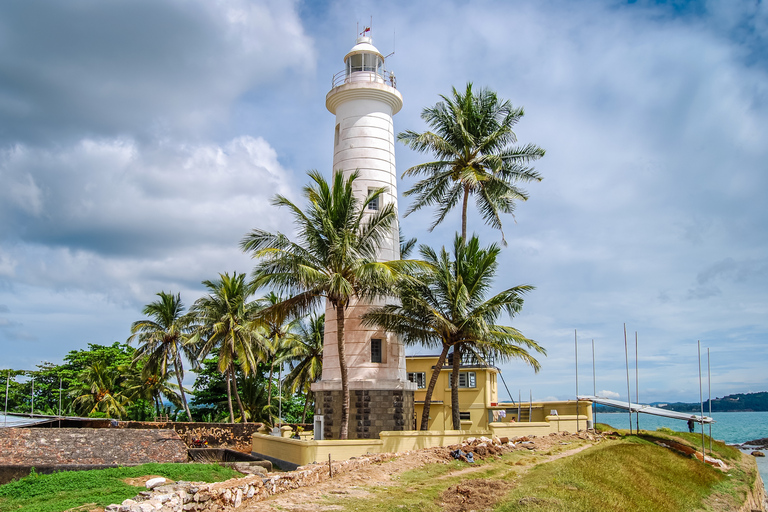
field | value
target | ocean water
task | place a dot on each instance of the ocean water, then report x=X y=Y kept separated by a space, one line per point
x=731 y=427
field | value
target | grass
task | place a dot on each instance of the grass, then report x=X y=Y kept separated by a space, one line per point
x=629 y=473
x=101 y=487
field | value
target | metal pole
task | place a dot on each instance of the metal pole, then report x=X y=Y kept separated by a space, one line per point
x=629 y=393
x=709 y=385
x=576 y=347
x=594 y=388
x=530 y=405
x=7 y=387
x=59 y=401
x=33 y=395
x=701 y=403
x=637 y=388
x=519 y=400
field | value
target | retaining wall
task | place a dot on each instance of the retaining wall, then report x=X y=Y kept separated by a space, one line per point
x=235 y=436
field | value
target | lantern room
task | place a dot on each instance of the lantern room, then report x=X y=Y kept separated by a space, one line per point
x=364 y=57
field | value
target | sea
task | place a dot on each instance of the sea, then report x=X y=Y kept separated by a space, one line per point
x=731 y=427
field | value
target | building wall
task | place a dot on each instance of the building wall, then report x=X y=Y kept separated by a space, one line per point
x=371 y=412
x=482 y=400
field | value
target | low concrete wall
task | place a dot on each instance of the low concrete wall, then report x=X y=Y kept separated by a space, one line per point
x=288 y=453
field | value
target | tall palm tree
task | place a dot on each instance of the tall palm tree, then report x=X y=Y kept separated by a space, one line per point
x=472 y=140
x=334 y=257
x=306 y=357
x=99 y=391
x=164 y=337
x=225 y=319
x=279 y=334
x=446 y=306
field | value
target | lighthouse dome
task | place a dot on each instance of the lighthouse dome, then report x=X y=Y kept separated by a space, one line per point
x=364 y=57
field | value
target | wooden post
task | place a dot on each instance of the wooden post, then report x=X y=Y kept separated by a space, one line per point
x=330 y=467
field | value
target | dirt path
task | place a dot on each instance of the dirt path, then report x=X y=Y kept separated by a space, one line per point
x=357 y=484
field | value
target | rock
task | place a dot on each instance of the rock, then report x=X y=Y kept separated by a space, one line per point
x=758 y=453
x=154 y=482
x=112 y=508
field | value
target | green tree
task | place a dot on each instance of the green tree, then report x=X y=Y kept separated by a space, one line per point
x=306 y=360
x=279 y=334
x=225 y=322
x=446 y=306
x=100 y=392
x=164 y=337
x=472 y=139
x=149 y=384
x=334 y=257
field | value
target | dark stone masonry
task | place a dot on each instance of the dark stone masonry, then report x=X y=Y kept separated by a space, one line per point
x=371 y=411
x=92 y=446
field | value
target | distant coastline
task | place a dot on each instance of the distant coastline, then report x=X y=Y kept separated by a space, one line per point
x=740 y=402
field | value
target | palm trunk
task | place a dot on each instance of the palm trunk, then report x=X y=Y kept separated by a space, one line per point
x=306 y=406
x=179 y=372
x=344 y=431
x=237 y=394
x=431 y=388
x=455 y=387
x=229 y=397
x=269 y=381
x=464 y=214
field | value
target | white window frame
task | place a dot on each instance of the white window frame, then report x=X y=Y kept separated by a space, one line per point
x=420 y=378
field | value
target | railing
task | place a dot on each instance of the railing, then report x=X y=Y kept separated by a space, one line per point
x=385 y=77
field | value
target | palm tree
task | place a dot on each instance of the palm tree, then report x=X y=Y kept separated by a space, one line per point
x=149 y=384
x=472 y=139
x=446 y=306
x=164 y=336
x=334 y=257
x=279 y=334
x=306 y=356
x=100 y=391
x=225 y=322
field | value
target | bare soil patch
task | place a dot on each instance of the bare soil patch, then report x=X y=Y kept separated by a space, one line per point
x=140 y=481
x=474 y=495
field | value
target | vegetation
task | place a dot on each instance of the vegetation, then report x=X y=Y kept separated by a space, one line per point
x=164 y=337
x=729 y=403
x=628 y=473
x=445 y=305
x=334 y=257
x=102 y=487
x=472 y=139
x=236 y=344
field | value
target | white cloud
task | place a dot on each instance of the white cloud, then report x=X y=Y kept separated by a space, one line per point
x=608 y=394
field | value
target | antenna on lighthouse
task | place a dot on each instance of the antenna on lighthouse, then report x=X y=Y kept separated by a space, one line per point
x=394 y=43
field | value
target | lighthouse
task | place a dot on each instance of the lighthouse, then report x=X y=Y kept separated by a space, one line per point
x=364 y=98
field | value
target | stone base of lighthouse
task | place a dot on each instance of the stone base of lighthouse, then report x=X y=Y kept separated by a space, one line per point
x=371 y=411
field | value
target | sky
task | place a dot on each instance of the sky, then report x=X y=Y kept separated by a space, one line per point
x=141 y=140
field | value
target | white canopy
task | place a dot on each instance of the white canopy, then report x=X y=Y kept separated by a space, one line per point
x=646 y=409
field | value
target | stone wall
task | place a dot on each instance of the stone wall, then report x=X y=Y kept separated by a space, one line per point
x=97 y=446
x=371 y=411
x=235 y=436
x=237 y=491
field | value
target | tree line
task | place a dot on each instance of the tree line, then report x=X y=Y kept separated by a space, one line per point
x=235 y=342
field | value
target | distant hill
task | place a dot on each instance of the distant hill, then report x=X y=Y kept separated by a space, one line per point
x=730 y=403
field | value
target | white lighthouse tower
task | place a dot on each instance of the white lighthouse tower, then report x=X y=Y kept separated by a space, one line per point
x=364 y=98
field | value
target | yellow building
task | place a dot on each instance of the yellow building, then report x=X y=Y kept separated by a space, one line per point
x=479 y=404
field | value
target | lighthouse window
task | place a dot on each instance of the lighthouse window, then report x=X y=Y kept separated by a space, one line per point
x=355 y=63
x=374 y=204
x=375 y=350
